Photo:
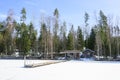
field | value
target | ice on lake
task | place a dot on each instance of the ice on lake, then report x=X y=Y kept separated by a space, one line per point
x=70 y=70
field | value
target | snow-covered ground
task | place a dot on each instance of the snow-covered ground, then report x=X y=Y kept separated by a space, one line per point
x=70 y=70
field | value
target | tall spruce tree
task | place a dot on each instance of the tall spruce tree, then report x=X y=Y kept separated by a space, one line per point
x=104 y=34
x=55 y=31
x=33 y=37
x=91 y=40
x=24 y=35
x=70 y=40
x=43 y=39
x=63 y=37
x=80 y=40
x=86 y=17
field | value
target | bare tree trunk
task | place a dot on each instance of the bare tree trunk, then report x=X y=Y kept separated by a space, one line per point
x=98 y=53
x=110 y=49
x=98 y=45
x=109 y=40
x=118 y=46
x=51 y=47
x=45 y=49
x=118 y=39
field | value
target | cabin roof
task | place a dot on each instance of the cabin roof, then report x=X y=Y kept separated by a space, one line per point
x=88 y=50
x=70 y=51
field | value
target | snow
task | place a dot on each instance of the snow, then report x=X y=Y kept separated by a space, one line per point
x=87 y=59
x=70 y=70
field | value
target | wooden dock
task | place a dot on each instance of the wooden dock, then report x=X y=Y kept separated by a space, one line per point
x=42 y=64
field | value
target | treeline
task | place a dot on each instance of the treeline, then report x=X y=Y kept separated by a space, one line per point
x=53 y=37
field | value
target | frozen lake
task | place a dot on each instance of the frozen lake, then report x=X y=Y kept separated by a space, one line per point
x=70 y=70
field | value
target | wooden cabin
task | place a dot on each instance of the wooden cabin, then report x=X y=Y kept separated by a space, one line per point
x=71 y=54
x=87 y=53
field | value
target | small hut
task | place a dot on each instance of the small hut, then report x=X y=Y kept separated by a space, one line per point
x=88 y=53
x=71 y=54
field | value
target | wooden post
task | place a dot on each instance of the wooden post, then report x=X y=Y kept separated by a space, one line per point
x=65 y=55
x=24 y=61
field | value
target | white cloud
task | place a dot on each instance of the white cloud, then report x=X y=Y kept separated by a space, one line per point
x=3 y=16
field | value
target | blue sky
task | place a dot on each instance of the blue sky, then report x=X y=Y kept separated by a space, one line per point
x=71 y=11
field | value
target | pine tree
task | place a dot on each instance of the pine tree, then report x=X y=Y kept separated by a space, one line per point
x=80 y=40
x=104 y=34
x=23 y=17
x=70 y=40
x=63 y=37
x=33 y=37
x=91 y=40
x=24 y=35
x=86 y=17
x=43 y=39
x=55 y=31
